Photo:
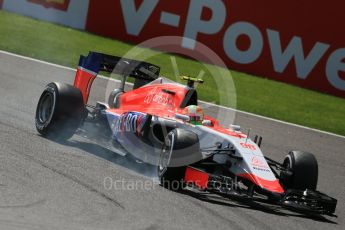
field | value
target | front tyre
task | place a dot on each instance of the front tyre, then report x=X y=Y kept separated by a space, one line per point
x=177 y=146
x=169 y=177
x=304 y=169
x=59 y=111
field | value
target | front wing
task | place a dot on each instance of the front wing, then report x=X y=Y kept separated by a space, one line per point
x=308 y=201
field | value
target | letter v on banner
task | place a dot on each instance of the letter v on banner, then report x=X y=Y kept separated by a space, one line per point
x=135 y=19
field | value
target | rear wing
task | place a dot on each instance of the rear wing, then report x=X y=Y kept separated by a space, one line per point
x=91 y=65
x=97 y=62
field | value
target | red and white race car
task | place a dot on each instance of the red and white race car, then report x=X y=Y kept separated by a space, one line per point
x=160 y=123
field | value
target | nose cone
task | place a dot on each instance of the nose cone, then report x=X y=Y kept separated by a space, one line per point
x=272 y=186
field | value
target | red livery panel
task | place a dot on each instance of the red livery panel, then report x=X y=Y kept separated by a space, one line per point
x=196 y=177
x=272 y=186
x=83 y=81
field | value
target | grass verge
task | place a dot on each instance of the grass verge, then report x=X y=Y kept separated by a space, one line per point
x=61 y=45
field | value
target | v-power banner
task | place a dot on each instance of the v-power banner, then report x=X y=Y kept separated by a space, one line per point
x=297 y=42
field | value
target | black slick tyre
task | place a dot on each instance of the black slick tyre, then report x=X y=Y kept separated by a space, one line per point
x=304 y=169
x=59 y=111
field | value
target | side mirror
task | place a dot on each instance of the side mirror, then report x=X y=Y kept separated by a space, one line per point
x=207 y=123
x=236 y=128
x=182 y=117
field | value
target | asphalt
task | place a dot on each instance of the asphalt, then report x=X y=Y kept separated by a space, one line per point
x=48 y=184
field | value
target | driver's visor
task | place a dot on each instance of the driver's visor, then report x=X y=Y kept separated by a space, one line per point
x=195 y=118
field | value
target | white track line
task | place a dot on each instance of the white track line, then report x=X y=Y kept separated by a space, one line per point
x=223 y=107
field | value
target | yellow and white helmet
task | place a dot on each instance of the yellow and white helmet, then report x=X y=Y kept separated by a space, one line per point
x=195 y=114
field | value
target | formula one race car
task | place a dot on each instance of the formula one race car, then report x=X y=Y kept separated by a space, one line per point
x=159 y=122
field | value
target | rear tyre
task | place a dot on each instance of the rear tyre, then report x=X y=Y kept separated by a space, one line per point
x=304 y=169
x=59 y=111
x=178 y=142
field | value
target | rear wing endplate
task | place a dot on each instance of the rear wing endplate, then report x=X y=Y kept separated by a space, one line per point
x=91 y=65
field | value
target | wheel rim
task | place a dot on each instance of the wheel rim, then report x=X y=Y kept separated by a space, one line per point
x=287 y=163
x=45 y=108
x=163 y=160
x=165 y=155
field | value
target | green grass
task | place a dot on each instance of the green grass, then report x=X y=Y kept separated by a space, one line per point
x=265 y=97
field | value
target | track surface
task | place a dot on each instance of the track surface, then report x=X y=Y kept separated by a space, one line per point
x=51 y=185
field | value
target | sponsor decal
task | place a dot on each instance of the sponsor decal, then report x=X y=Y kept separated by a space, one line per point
x=159 y=97
x=258 y=163
x=307 y=51
x=56 y=4
x=130 y=122
x=149 y=97
x=261 y=169
x=248 y=146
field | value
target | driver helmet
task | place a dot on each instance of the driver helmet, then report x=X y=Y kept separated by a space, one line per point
x=195 y=114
